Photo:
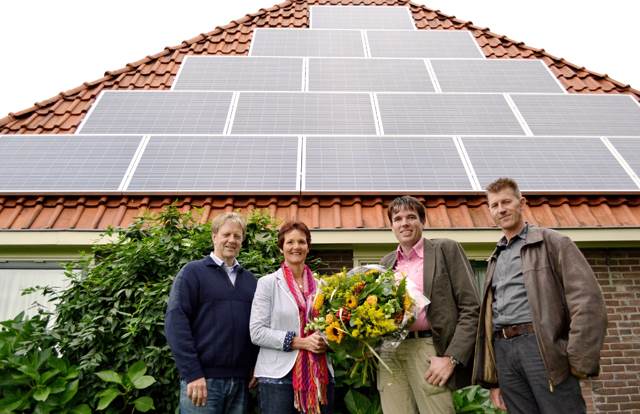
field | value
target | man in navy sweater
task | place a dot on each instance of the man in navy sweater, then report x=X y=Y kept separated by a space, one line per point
x=207 y=325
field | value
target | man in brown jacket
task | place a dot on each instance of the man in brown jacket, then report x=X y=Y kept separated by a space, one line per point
x=542 y=319
x=436 y=356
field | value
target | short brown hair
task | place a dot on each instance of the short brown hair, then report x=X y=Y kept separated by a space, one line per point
x=291 y=226
x=502 y=183
x=232 y=217
x=408 y=203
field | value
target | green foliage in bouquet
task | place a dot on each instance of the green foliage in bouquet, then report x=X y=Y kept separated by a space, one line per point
x=357 y=312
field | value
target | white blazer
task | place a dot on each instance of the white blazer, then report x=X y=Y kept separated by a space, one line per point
x=274 y=313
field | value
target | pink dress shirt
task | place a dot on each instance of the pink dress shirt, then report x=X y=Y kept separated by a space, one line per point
x=412 y=265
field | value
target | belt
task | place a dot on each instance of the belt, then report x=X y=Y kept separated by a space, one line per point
x=511 y=331
x=420 y=334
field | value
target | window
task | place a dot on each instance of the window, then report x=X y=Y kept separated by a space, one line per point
x=16 y=276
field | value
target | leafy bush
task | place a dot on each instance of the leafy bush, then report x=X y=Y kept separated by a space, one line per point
x=474 y=400
x=123 y=386
x=33 y=378
x=112 y=314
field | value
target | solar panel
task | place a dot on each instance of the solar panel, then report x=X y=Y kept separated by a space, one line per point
x=361 y=17
x=395 y=75
x=158 y=112
x=304 y=113
x=446 y=114
x=579 y=114
x=64 y=163
x=217 y=164
x=548 y=163
x=383 y=164
x=423 y=44
x=492 y=75
x=307 y=42
x=629 y=148
x=239 y=73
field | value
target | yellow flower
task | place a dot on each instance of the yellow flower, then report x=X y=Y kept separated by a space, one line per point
x=407 y=302
x=372 y=300
x=352 y=302
x=318 y=302
x=329 y=318
x=334 y=333
x=355 y=333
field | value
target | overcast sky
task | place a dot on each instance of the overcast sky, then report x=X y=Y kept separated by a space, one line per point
x=52 y=46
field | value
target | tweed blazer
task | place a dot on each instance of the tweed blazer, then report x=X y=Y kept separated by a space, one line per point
x=453 y=312
x=274 y=313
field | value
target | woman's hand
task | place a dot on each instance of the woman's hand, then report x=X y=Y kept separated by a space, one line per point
x=312 y=343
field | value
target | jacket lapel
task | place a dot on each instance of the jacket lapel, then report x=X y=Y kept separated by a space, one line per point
x=429 y=267
x=282 y=284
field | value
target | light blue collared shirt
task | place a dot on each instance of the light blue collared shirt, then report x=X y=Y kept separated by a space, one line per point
x=232 y=271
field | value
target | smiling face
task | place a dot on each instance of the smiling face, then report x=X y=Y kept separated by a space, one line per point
x=407 y=227
x=506 y=210
x=295 y=248
x=227 y=242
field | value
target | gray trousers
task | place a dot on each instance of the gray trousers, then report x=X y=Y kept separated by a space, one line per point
x=524 y=383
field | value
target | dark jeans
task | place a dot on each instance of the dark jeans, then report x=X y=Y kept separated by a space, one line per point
x=276 y=396
x=224 y=396
x=524 y=382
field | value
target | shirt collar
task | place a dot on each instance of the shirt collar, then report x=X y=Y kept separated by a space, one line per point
x=502 y=243
x=417 y=249
x=221 y=262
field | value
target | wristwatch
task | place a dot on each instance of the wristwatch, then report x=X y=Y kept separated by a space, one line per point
x=453 y=361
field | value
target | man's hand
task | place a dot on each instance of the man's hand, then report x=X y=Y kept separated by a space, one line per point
x=578 y=374
x=253 y=382
x=496 y=398
x=197 y=392
x=312 y=343
x=440 y=369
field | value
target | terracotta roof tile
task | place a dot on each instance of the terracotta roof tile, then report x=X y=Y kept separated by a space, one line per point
x=320 y=212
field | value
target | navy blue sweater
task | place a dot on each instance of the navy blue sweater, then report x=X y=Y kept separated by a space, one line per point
x=207 y=322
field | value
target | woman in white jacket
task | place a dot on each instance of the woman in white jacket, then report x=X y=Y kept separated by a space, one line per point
x=293 y=371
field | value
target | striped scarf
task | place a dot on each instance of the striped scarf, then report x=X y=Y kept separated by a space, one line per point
x=310 y=371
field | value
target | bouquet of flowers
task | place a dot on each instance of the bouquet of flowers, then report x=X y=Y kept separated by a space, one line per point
x=361 y=311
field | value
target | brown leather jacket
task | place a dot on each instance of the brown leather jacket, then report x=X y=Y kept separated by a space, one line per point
x=567 y=308
x=453 y=313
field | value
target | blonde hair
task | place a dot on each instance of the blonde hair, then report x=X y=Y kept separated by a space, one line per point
x=219 y=221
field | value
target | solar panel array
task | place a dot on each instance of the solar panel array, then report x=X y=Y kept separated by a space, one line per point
x=363 y=17
x=438 y=114
x=158 y=112
x=360 y=102
x=217 y=164
x=239 y=73
x=548 y=163
x=304 y=113
x=65 y=164
x=371 y=164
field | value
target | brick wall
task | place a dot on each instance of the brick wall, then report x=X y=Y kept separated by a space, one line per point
x=617 y=389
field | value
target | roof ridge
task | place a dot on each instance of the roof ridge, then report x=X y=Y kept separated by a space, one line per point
x=112 y=76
